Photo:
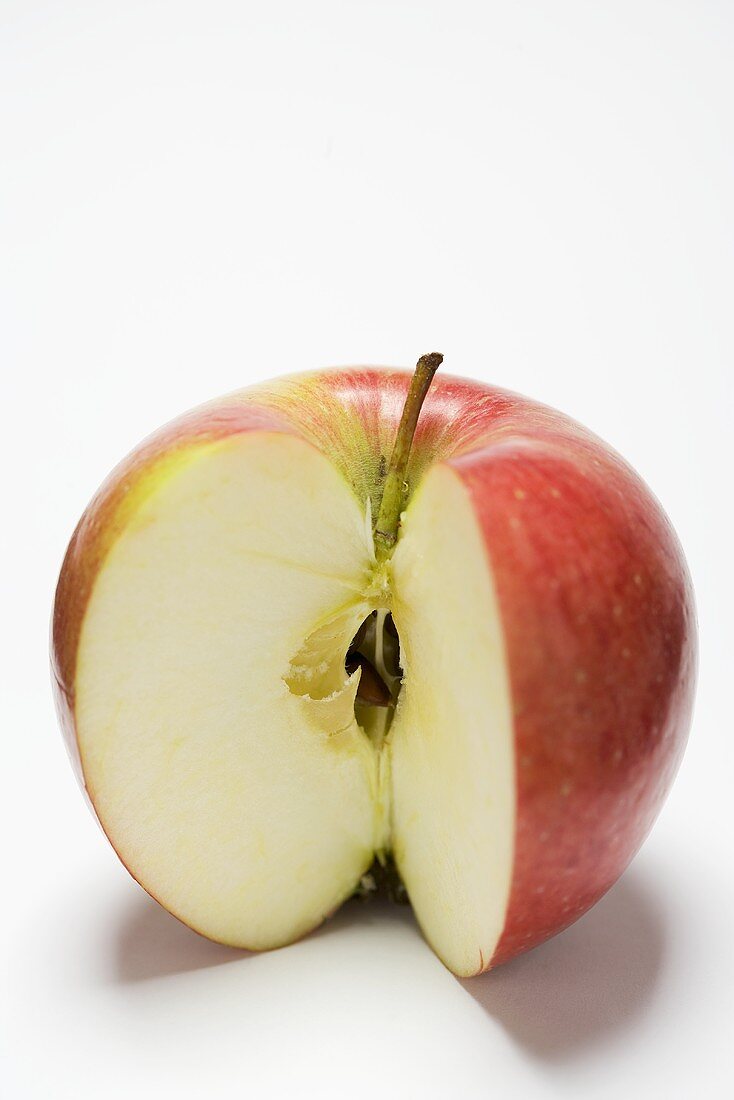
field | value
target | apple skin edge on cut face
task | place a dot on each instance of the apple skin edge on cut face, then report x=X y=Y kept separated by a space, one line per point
x=361 y=624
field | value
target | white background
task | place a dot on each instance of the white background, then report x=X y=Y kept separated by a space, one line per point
x=199 y=195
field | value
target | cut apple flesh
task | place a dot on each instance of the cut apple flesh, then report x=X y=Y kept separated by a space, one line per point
x=216 y=720
x=452 y=764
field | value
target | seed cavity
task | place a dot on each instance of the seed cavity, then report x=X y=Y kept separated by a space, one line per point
x=327 y=659
x=375 y=651
x=372 y=688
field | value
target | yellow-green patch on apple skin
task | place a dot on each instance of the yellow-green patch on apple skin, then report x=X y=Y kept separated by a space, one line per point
x=112 y=508
x=595 y=600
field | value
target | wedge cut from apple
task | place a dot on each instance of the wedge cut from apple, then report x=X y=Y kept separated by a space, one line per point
x=263 y=700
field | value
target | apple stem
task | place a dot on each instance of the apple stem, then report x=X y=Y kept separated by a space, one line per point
x=396 y=487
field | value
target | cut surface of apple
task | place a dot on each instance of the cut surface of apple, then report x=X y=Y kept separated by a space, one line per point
x=222 y=752
x=451 y=748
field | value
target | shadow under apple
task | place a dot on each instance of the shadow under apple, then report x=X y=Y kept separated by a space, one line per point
x=153 y=944
x=580 y=989
x=587 y=984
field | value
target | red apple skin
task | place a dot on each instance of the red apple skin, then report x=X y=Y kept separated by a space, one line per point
x=599 y=627
x=594 y=595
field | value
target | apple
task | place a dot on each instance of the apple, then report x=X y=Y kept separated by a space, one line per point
x=341 y=628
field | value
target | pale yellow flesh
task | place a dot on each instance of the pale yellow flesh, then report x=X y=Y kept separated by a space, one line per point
x=452 y=768
x=234 y=783
x=240 y=818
